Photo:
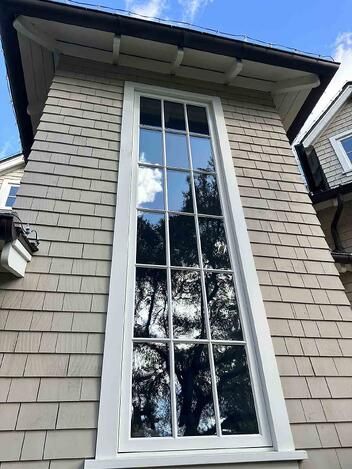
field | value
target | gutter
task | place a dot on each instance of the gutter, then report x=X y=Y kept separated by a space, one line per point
x=124 y=25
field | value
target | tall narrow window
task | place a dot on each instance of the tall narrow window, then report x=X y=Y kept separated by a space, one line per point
x=188 y=360
x=189 y=368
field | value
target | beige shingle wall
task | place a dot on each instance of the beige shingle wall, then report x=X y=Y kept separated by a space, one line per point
x=52 y=321
x=326 y=154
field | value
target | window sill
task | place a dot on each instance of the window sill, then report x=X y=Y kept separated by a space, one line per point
x=190 y=458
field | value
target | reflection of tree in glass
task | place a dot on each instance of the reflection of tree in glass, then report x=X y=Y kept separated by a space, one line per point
x=187 y=305
x=151 y=398
x=151 y=239
x=207 y=194
x=151 y=318
x=151 y=409
x=195 y=406
x=213 y=240
x=237 y=410
x=222 y=306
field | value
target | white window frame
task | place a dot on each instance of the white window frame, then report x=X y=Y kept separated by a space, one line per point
x=5 y=192
x=261 y=352
x=336 y=143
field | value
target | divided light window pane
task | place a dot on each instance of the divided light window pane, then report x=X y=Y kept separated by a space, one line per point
x=150 y=113
x=190 y=376
x=150 y=147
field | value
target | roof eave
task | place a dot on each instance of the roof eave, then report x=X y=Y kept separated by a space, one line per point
x=176 y=35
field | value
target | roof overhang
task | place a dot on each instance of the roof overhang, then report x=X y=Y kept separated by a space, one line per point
x=327 y=116
x=35 y=32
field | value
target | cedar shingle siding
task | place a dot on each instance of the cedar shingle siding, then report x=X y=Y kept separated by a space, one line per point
x=52 y=321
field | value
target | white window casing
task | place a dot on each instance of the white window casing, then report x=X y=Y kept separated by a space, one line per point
x=115 y=449
x=5 y=191
x=336 y=142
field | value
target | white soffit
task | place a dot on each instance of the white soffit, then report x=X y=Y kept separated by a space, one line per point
x=288 y=87
x=327 y=117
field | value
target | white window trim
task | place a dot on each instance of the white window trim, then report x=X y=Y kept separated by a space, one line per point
x=335 y=141
x=5 y=191
x=107 y=455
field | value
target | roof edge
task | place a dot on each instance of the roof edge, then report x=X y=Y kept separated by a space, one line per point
x=176 y=35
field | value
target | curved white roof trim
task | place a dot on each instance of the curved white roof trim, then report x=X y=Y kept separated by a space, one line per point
x=327 y=117
x=11 y=163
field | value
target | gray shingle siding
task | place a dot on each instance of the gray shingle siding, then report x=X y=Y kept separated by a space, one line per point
x=331 y=165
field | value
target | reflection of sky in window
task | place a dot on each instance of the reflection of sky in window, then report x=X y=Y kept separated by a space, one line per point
x=179 y=191
x=150 y=146
x=202 y=154
x=176 y=150
x=150 y=188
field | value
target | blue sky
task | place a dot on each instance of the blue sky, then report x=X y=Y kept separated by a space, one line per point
x=317 y=26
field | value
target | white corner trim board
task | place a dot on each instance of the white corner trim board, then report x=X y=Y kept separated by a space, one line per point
x=277 y=443
x=14 y=258
x=339 y=150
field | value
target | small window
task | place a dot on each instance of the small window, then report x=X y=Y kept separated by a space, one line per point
x=342 y=145
x=8 y=194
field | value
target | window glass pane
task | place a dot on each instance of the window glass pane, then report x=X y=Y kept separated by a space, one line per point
x=197 y=119
x=214 y=247
x=347 y=145
x=150 y=113
x=151 y=318
x=179 y=191
x=13 y=191
x=150 y=146
x=202 y=154
x=174 y=116
x=151 y=409
x=176 y=150
x=237 y=410
x=187 y=304
x=207 y=194
x=183 y=244
x=151 y=238
x=10 y=201
x=222 y=306
x=150 y=188
x=194 y=397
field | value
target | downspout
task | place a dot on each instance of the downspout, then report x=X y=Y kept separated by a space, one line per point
x=334 y=231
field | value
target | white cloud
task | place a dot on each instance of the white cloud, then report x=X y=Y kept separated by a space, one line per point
x=342 y=52
x=149 y=8
x=149 y=185
x=192 y=7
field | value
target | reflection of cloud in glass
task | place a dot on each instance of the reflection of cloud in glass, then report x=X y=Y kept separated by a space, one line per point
x=149 y=185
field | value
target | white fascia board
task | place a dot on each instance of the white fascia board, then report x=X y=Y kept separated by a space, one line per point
x=324 y=121
x=11 y=163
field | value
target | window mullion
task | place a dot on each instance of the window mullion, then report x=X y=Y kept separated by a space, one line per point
x=168 y=282
x=205 y=309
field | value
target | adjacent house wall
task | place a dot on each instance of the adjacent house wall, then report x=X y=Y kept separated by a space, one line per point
x=329 y=161
x=345 y=233
x=53 y=320
x=12 y=175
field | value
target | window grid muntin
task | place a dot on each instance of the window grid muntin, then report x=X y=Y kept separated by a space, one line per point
x=209 y=341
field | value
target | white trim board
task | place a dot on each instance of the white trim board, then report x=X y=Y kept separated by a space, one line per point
x=324 y=121
x=107 y=449
x=11 y=163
